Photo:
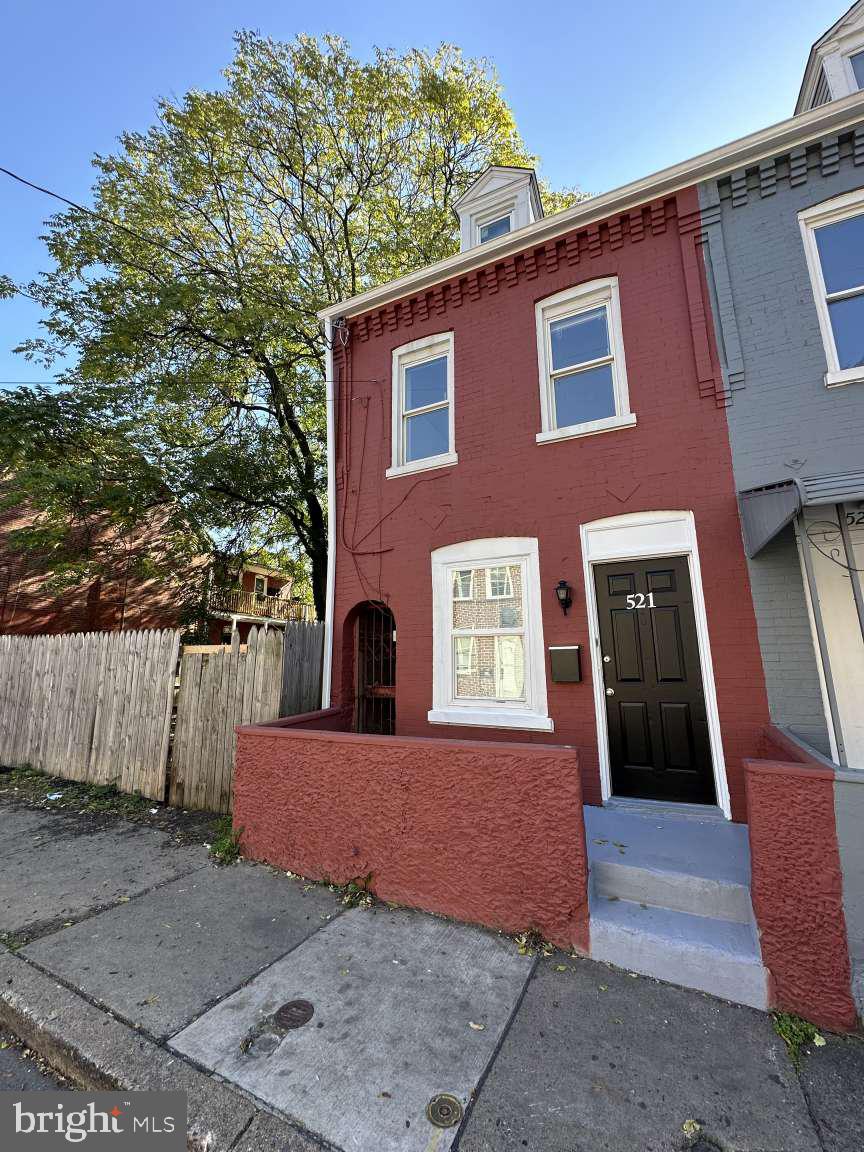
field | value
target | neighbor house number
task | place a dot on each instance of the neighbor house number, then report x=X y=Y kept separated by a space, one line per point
x=640 y=600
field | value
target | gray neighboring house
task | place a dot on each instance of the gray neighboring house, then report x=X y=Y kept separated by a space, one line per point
x=784 y=256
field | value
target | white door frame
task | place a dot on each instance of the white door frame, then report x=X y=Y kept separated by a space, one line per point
x=642 y=536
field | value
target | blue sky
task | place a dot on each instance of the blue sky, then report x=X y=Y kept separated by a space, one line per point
x=604 y=93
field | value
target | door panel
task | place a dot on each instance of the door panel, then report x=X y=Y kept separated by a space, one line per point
x=655 y=703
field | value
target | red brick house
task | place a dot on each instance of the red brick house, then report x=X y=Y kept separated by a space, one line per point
x=30 y=606
x=118 y=599
x=544 y=701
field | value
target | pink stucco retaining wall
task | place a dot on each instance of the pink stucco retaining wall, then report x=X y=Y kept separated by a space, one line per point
x=797 y=885
x=489 y=833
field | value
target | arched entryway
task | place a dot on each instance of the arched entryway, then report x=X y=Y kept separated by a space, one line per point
x=375 y=664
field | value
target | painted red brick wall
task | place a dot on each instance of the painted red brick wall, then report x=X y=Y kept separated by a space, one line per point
x=797 y=890
x=505 y=484
x=29 y=607
x=489 y=835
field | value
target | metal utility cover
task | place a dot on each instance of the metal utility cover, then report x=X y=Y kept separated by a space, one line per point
x=395 y=996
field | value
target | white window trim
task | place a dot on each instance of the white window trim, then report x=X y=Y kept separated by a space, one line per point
x=829 y=212
x=531 y=715
x=488 y=215
x=479 y=225
x=489 y=593
x=635 y=536
x=582 y=298
x=407 y=355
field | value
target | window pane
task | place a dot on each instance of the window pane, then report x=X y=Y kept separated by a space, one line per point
x=494 y=228
x=509 y=668
x=576 y=339
x=847 y=320
x=497 y=669
x=481 y=612
x=464 y=647
x=462 y=584
x=499 y=583
x=857 y=62
x=427 y=434
x=426 y=383
x=584 y=396
x=841 y=251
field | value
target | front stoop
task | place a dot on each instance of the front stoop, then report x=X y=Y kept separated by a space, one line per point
x=670 y=898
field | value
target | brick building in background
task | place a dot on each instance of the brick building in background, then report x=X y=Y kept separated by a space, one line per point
x=29 y=606
x=207 y=600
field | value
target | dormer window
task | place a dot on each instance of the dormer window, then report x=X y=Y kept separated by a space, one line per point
x=835 y=67
x=500 y=201
x=499 y=227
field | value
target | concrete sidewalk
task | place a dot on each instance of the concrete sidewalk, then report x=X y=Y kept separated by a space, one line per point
x=296 y=1023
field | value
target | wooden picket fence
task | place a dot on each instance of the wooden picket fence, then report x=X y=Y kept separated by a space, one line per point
x=90 y=706
x=240 y=684
x=303 y=658
x=97 y=707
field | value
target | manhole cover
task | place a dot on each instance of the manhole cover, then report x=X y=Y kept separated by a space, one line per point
x=294 y=1014
x=444 y=1110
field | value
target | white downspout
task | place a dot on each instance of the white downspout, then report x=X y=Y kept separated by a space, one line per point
x=330 y=392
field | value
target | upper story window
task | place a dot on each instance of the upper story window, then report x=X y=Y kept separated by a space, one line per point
x=834 y=242
x=488 y=662
x=498 y=227
x=260 y=587
x=423 y=419
x=857 y=64
x=580 y=351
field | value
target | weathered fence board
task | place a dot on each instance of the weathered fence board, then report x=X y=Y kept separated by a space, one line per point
x=301 y=676
x=90 y=706
x=219 y=689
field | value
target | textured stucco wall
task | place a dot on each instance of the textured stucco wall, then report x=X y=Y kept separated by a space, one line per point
x=490 y=834
x=849 y=805
x=506 y=484
x=797 y=890
x=782 y=419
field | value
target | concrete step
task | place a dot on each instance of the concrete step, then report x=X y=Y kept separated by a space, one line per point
x=686 y=865
x=715 y=897
x=717 y=956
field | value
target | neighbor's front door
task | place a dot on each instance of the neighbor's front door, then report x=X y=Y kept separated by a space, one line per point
x=659 y=747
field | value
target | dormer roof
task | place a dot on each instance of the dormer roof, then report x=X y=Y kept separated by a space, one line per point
x=501 y=200
x=830 y=72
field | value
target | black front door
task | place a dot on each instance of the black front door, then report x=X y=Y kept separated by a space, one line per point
x=659 y=747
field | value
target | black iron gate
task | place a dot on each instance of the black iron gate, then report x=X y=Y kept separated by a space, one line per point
x=376 y=671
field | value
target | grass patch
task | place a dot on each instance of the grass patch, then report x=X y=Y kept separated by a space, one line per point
x=357 y=892
x=531 y=943
x=29 y=784
x=796 y=1034
x=225 y=845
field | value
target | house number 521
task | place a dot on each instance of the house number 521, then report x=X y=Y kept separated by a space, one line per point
x=640 y=600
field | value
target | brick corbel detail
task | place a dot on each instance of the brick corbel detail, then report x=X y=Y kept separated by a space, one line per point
x=532 y=264
x=708 y=373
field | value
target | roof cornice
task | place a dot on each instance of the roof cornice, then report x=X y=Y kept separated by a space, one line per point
x=809 y=126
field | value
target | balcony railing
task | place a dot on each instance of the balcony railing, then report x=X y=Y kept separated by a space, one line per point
x=235 y=602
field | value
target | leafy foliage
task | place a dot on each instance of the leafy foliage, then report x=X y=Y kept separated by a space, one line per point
x=187 y=297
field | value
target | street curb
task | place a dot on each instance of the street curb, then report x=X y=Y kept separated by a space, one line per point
x=97 y=1051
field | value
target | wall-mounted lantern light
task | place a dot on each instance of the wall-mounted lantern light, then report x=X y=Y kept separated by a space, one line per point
x=564 y=594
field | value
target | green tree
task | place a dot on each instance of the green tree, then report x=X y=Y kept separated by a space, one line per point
x=186 y=298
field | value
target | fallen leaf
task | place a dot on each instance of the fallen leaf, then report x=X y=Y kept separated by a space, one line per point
x=476 y=1027
x=604 y=987
x=123 y=899
x=560 y=967
x=819 y=1041
x=691 y=1127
